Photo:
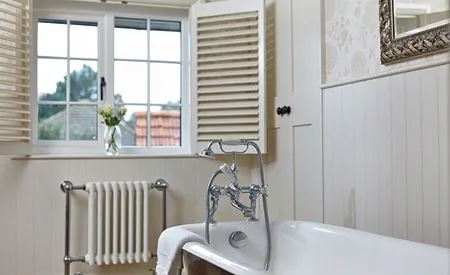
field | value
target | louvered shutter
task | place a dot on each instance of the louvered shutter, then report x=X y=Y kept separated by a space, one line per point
x=228 y=71
x=14 y=76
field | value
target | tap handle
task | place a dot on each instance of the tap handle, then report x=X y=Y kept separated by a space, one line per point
x=232 y=142
x=232 y=179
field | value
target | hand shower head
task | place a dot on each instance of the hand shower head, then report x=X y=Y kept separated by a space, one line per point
x=207 y=153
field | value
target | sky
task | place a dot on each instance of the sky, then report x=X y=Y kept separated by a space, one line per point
x=130 y=76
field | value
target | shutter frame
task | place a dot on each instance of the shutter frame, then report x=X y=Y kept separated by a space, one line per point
x=15 y=79
x=207 y=102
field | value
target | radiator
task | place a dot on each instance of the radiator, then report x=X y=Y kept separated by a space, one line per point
x=118 y=222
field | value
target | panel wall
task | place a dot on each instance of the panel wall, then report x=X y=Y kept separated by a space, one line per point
x=386 y=155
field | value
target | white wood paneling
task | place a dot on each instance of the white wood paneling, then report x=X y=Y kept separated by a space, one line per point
x=385 y=202
x=372 y=177
x=398 y=157
x=32 y=207
x=430 y=155
x=386 y=144
x=444 y=154
x=414 y=154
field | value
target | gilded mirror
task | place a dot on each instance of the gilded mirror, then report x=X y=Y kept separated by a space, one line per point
x=413 y=28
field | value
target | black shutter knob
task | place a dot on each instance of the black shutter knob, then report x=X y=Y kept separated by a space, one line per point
x=279 y=111
x=286 y=110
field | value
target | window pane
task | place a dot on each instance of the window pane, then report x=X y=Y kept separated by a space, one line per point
x=52 y=38
x=51 y=82
x=83 y=80
x=165 y=41
x=165 y=126
x=130 y=82
x=52 y=122
x=165 y=83
x=130 y=38
x=83 y=122
x=134 y=126
x=83 y=39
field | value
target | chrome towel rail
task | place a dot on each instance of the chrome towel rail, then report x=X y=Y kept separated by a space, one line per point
x=67 y=187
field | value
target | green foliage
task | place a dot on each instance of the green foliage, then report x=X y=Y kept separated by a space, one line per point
x=50 y=131
x=83 y=86
x=171 y=108
x=111 y=116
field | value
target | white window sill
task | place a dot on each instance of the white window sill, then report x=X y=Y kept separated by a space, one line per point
x=83 y=151
x=120 y=156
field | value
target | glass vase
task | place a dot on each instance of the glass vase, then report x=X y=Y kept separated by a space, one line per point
x=112 y=140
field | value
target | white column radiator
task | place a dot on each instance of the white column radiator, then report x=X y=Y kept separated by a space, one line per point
x=118 y=222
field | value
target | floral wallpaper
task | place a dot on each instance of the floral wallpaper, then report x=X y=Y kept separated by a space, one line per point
x=352 y=40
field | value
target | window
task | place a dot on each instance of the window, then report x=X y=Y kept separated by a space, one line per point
x=143 y=61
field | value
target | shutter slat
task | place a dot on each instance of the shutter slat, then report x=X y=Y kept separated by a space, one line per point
x=228 y=89
x=6 y=138
x=228 y=120
x=15 y=40
x=13 y=93
x=227 y=113
x=14 y=4
x=14 y=84
x=14 y=71
x=8 y=21
x=226 y=34
x=228 y=105
x=231 y=65
x=227 y=73
x=23 y=35
x=229 y=136
x=228 y=129
x=24 y=78
x=228 y=57
x=228 y=81
x=14 y=58
x=12 y=110
x=208 y=50
x=14 y=129
x=17 y=49
x=227 y=26
x=227 y=18
x=16 y=67
x=227 y=97
x=227 y=42
x=13 y=119
x=14 y=102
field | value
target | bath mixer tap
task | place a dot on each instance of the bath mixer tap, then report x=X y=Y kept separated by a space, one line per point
x=233 y=190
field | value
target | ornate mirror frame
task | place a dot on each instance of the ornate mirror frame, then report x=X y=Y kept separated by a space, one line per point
x=426 y=42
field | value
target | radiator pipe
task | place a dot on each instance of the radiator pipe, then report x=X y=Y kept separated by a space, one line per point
x=162 y=185
x=67 y=187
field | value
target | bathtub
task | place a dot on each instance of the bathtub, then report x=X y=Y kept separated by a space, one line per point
x=307 y=248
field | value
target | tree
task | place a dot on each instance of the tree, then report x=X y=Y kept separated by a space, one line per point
x=171 y=108
x=83 y=86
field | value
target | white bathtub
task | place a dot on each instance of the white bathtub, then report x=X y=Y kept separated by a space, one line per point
x=306 y=248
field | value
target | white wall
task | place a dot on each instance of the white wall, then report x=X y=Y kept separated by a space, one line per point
x=32 y=206
x=386 y=139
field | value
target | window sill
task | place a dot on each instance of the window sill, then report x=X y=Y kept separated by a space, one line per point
x=100 y=157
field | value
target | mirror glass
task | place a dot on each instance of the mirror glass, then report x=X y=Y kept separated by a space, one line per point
x=413 y=16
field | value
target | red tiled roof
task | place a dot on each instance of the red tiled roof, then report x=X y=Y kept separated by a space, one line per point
x=165 y=128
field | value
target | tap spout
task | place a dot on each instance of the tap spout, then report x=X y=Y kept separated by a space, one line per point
x=246 y=211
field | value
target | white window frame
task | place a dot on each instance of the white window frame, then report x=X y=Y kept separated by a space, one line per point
x=105 y=21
